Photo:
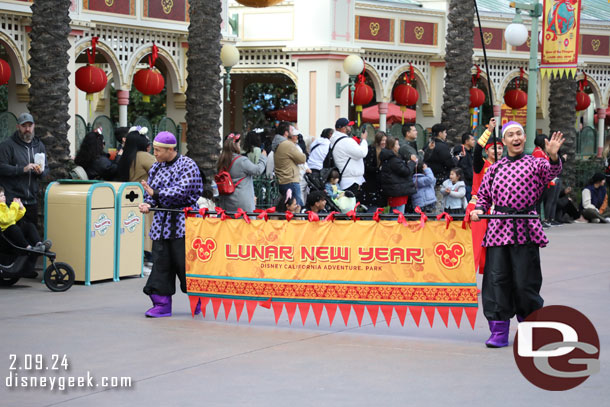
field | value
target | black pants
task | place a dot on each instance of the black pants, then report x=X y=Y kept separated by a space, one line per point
x=168 y=262
x=512 y=281
x=22 y=234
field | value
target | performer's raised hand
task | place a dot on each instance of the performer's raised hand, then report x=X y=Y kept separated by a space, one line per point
x=552 y=146
x=474 y=215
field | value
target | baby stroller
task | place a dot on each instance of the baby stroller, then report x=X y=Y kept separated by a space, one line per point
x=15 y=262
x=316 y=182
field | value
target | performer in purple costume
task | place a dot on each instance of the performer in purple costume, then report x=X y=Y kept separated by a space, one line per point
x=512 y=279
x=174 y=182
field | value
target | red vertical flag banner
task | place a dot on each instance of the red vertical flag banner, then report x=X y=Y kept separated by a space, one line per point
x=560 y=37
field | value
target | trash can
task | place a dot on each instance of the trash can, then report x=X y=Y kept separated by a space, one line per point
x=130 y=230
x=79 y=218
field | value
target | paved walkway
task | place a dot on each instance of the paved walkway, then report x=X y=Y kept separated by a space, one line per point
x=181 y=361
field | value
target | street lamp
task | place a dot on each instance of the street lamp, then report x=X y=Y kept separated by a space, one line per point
x=352 y=65
x=516 y=35
x=229 y=56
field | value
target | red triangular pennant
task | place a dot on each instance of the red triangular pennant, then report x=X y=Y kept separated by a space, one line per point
x=216 y=306
x=345 y=310
x=331 y=310
x=317 y=311
x=291 y=308
x=386 y=310
x=277 y=310
x=227 y=303
x=265 y=304
x=401 y=311
x=250 y=307
x=471 y=314
x=430 y=314
x=304 y=310
x=194 y=301
x=373 y=312
x=359 y=310
x=444 y=313
x=239 y=307
x=204 y=305
x=457 y=315
x=415 y=311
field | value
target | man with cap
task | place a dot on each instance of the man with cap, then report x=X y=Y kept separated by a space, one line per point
x=174 y=182
x=349 y=156
x=22 y=165
x=513 y=185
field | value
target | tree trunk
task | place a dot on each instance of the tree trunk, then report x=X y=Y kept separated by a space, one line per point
x=49 y=81
x=203 y=84
x=562 y=116
x=458 y=63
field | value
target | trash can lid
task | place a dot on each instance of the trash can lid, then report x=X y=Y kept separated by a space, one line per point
x=78 y=181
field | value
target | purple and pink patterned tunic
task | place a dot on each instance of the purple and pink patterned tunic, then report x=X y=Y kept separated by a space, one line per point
x=177 y=185
x=513 y=185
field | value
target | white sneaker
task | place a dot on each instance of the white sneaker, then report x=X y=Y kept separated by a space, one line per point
x=595 y=220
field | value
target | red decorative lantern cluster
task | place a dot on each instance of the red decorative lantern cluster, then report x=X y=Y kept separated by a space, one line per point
x=149 y=81
x=363 y=94
x=90 y=78
x=516 y=98
x=405 y=94
x=582 y=99
x=5 y=72
x=477 y=96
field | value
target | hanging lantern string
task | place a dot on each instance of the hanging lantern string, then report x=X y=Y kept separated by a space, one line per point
x=520 y=78
x=583 y=83
x=152 y=58
x=91 y=54
x=409 y=76
x=475 y=78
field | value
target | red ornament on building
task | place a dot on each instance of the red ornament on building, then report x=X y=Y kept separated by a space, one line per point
x=477 y=97
x=5 y=72
x=363 y=94
x=149 y=81
x=515 y=99
x=582 y=99
x=90 y=78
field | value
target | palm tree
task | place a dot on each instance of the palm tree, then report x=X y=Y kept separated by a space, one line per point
x=49 y=80
x=458 y=62
x=203 y=85
x=562 y=116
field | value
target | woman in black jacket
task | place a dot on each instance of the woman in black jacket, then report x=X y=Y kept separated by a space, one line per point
x=373 y=198
x=94 y=160
x=396 y=176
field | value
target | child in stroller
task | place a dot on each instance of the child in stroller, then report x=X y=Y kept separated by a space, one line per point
x=20 y=248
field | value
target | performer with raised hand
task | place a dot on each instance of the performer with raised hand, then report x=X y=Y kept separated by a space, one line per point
x=513 y=185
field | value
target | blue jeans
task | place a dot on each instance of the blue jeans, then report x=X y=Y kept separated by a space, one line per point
x=296 y=191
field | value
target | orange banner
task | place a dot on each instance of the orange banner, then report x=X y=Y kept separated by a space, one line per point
x=378 y=265
x=560 y=37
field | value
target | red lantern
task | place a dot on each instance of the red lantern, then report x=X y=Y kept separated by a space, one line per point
x=363 y=94
x=91 y=79
x=515 y=99
x=582 y=101
x=5 y=72
x=405 y=95
x=149 y=81
x=477 y=97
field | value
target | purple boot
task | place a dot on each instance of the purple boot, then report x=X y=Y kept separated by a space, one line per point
x=162 y=306
x=198 y=308
x=499 y=334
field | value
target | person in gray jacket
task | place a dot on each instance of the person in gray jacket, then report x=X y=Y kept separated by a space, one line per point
x=242 y=170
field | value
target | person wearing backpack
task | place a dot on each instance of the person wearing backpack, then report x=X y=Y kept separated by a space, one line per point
x=240 y=170
x=287 y=156
x=348 y=156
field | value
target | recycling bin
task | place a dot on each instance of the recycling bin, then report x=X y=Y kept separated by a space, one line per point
x=130 y=230
x=80 y=220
